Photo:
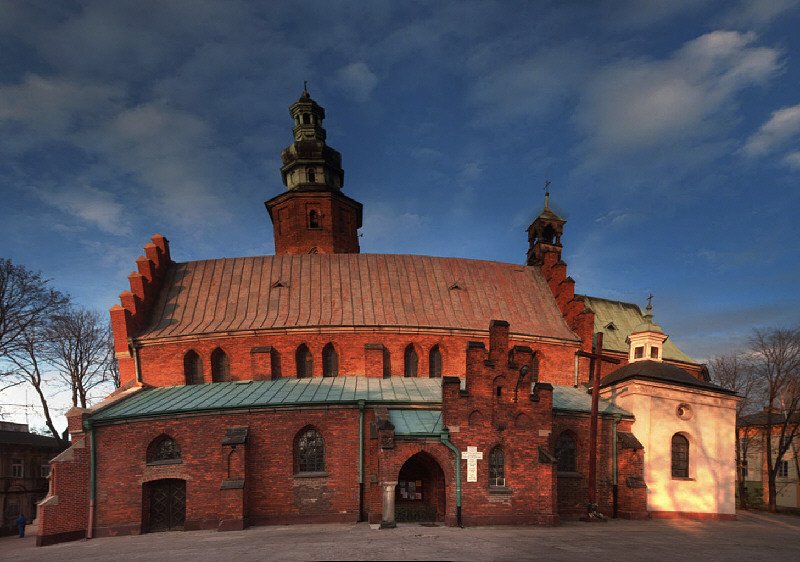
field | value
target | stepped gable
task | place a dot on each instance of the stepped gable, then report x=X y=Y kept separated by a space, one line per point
x=352 y=290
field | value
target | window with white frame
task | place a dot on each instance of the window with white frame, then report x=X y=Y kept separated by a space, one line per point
x=783 y=469
x=17 y=468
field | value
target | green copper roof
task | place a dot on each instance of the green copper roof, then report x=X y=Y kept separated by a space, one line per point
x=416 y=422
x=281 y=392
x=619 y=319
x=286 y=392
x=578 y=399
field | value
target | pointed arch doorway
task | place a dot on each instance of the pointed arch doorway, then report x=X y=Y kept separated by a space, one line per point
x=420 y=493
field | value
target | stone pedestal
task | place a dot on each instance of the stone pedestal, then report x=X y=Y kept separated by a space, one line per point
x=387 y=520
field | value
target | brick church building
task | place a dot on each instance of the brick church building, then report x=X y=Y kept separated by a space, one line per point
x=325 y=385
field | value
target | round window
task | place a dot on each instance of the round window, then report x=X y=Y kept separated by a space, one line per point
x=684 y=412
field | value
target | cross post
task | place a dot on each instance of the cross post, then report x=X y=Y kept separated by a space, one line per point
x=598 y=357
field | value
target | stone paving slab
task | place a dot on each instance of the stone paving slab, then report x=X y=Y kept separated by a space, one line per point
x=755 y=536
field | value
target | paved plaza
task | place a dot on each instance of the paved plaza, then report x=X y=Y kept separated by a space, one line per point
x=755 y=536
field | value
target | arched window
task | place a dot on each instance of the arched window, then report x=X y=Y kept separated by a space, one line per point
x=411 y=361
x=312 y=175
x=680 y=456
x=435 y=362
x=309 y=451
x=497 y=467
x=220 y=366
x=330 y=361
x=163 y=449
x=566 y=453
x=305 y=363
x=192 y=368
x=313 y=219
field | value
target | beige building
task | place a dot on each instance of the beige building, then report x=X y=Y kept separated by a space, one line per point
x=686 y=425
x=787 y=482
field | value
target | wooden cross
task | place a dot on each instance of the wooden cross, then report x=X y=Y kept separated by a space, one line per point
x=598 y=357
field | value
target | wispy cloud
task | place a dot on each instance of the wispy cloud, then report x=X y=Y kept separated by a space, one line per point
x=782 y=126
x=640 y=104
x=87 y=203
x=356 y=80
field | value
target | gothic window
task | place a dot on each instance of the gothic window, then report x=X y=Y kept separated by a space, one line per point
x=435 y=362
x=313 y=219
x=305 y=362
x=309 y=451
x=220 y=366
x=312 y=175
x=680 y=456
x=497 y=467
x=566 y=453
x=163 y=450
x=193 y=368
x=330 y=361
x=410 y=362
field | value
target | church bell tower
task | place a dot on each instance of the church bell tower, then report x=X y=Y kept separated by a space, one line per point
x=544 y=236
x=313 y=216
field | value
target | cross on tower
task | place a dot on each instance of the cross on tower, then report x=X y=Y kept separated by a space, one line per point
x=598 y=357
x=650 y=301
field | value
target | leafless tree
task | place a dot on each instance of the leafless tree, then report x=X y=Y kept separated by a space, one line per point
x=734 y=371
x=79 y=351
x=28 y=358
x=25 y=299
x=776 y=362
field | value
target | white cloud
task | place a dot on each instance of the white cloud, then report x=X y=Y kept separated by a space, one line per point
x=88 y=204
x=642 y=103
x=356 y=80
x=793 y=160
x=782 y=126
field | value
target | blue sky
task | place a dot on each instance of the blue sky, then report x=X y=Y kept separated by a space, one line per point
x=670 y=132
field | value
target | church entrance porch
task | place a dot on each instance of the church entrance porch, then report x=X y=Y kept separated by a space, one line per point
x=165 y=502
x=420 y=491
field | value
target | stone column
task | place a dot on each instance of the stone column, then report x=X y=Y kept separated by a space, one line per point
x=387 y=520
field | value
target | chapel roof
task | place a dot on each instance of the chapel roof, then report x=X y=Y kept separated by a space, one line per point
x=397 y=392
x=352 y=290
x=660 y=372
x=31 y=439
x=626 y=318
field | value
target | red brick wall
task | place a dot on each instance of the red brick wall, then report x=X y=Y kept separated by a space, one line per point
x=162 y=363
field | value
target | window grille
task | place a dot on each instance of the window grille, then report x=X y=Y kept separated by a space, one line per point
x=680 y=456
x=164 y=449
x=497 y=467
x=783 y=469
x=310 y=451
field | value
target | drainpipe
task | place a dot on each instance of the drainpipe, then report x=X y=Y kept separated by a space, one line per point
x=92 y=480
x=615 y=488
x=445 y=437
x=361 y=405
x=136 y=366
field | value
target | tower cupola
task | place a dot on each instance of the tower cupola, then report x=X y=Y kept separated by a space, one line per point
x=313 y=216
x=544 y=235
x=646 y=341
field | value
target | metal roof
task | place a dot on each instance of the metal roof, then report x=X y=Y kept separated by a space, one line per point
x=626 y=318
x=578 y=399
x=286 y=392
x=416 y=422
x=352 y=290
x=281 y=392
x=661 y=372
